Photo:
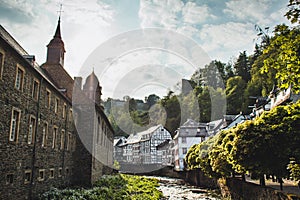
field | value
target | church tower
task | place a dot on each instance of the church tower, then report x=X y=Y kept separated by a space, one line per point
x=56 y=48
x=92 y=89
x=54 y=65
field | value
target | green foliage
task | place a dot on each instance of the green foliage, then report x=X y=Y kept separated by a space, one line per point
x=242 y=66
x=293 y=14
x=283 y=57
x=117 y=187
x=294 y=169
x=262 y=146
x=235 y=94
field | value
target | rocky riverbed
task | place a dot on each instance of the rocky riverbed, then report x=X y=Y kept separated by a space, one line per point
x=177 y=189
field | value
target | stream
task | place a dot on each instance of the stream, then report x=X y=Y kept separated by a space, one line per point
x=177 y=189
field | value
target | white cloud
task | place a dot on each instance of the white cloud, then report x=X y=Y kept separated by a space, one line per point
x=159 y=13
x=227 y=38
x=194 y=14
x=172 y=14
x=250 y=10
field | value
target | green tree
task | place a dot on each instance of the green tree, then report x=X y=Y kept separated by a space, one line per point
x=284 y=57
x=293 y=14
x=152 y=99
x=235 y=94
x=242 y=66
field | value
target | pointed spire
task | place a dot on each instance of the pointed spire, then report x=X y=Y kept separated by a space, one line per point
x=57 y=32
x=56 y=48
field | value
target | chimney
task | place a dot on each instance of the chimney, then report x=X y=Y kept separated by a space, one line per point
x=78 y=82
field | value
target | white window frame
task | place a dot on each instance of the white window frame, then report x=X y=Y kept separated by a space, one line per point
x=54 y=136
x=56 y=105
x=19 y=84
x=31 y=130
x=43 y=172
x=50 y=171
x=48 y=98
x=64 y=111
x=35 y=89
x=62 y=139
x=14 y=125
x=45 y=131
x=27 y=172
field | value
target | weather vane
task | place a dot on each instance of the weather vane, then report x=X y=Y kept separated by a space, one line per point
x=60 y=10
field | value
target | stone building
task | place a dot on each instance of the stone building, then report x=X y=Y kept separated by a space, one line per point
x=42 y=144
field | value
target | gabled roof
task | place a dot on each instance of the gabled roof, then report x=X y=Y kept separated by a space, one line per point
x=240 y=118
x=190 y=123
x=134 y=138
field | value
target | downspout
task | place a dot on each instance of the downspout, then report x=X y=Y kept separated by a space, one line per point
x=64 y=144
x=37 y=115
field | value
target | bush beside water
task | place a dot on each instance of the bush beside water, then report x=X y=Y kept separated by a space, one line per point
x=115 y=187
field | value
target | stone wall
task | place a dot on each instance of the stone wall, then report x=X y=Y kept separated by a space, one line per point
x=239 y=190
x=196 y=177
x=20 y=157
x=63 y=163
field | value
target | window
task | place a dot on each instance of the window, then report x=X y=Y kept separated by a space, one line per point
x=19 y=78
x=54 y=137
x=48 y=98
x=31 y=131
x=64 y=110
x=69 y=141
x=67 y=171
x=9 y=178
x=56 y=105
x=1 y=63
x=62 y=139
x=45 y=134
x=27 y=177
x=51 y=173
x=59 y=172
x=14 y=124
x=183 y=139
x=184 y=150
x=70 y=114
x=35 y=89
x=41 y=174
x=73 y=143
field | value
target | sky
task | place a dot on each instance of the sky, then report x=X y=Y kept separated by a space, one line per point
x=140 y=47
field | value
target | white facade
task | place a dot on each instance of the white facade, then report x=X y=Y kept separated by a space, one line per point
x=142 y=147
x=187 y=135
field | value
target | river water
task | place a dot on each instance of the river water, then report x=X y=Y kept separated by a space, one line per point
x=176 y=189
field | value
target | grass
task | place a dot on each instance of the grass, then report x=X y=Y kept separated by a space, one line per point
x=114 y=187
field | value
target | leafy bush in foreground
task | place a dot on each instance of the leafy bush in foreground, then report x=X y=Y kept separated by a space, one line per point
x=116 y=187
